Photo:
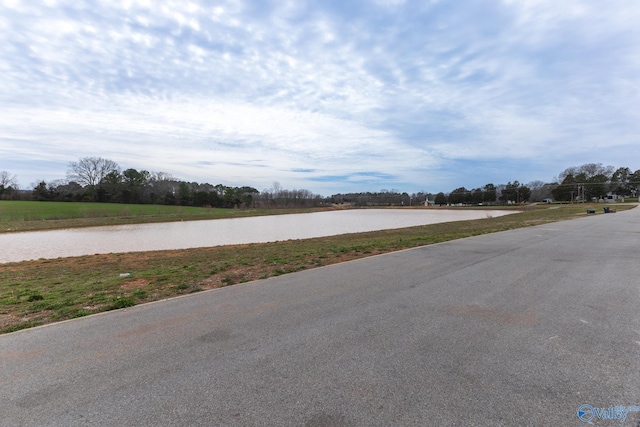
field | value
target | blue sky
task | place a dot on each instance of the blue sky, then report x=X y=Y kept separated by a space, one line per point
x=329 y=96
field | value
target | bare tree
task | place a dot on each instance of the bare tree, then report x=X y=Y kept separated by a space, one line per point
x=7 y=180
x=539 y=190
x=89 y=171
x=161 y=176
x=8 y=185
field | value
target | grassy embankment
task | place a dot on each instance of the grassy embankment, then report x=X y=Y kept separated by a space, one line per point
x=31 y=216
x=39 y=292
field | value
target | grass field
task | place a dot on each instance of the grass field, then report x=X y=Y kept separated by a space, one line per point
x=29 y=216
x=39 y=292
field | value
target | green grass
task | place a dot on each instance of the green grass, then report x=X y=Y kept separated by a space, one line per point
x=29 y=216
x=38 y=292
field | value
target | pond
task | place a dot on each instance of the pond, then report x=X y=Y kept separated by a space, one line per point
x=193 y=234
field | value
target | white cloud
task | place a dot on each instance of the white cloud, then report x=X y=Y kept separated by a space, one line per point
x=265 y=90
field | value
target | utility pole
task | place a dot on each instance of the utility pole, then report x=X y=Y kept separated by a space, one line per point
x=581 y=192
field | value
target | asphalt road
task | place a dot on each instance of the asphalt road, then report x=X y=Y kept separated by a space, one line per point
x=514 y=328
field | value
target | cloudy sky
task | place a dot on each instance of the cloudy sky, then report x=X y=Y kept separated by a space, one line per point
x=330 y=95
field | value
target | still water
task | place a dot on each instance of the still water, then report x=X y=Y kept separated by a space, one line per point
x=193 y=234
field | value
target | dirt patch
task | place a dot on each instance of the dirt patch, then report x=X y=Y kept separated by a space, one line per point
x=232 y=275
x=7 y=320
x=135 y=284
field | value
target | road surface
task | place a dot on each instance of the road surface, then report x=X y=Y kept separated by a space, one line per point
x=523 y=327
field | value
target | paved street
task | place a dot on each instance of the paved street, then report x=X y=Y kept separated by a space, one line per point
x=514 y=328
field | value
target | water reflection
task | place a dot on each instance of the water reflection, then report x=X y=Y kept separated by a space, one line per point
x=193 y=234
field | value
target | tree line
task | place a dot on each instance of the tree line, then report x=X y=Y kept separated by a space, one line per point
x=594 y=181
x=102 y=180
x=510 y=193
x=95 y=179
x=589 y=182
x=382 y=198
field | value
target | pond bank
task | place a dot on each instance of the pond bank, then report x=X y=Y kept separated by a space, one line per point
x=194 y=234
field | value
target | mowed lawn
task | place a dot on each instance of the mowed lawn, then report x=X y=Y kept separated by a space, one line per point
x=33 y=211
